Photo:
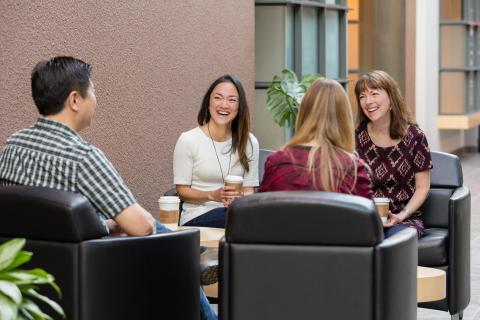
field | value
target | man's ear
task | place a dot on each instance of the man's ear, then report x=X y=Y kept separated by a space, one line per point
x=72 y=101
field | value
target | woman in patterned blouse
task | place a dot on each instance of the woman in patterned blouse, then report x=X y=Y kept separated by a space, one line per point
x=320 y=154
x=395 y=148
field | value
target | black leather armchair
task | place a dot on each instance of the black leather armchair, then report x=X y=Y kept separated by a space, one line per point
x=314 y=255
x=446 y=243
x=102 y=278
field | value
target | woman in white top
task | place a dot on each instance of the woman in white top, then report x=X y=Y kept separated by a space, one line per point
x=220 y=146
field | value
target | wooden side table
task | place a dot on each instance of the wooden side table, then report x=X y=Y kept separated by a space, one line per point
x=431 y=284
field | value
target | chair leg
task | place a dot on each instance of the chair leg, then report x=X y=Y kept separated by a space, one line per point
x=457 y=316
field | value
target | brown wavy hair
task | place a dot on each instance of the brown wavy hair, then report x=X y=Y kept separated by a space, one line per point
x=241 y=123
x=400 y=115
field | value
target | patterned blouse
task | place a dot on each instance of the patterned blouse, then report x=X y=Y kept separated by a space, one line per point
x=394 y=168
x=286 y=170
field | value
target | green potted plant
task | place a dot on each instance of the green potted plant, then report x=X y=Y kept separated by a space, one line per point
x=284 y=96
x=18 y=287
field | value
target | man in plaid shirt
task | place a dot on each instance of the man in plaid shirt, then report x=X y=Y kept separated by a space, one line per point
x=52 y=154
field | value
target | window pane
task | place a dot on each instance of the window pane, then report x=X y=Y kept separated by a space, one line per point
x=450 y=10
x=332 y=50
x=309 y=40
x=452 y=92
x=289 y=38
x=269 y=39
x=476 y=106
x=452 y=46
x=470 y=92
x=470 y=46
x=353 y=37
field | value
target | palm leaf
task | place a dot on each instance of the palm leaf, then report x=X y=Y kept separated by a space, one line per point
x=8 y=252
x=11 y=291
x=21 y=258
x=8 y=309
x=285 y=94
x=54 y=305
x=30 y=307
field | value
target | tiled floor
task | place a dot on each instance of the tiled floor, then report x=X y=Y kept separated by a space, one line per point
x=471 y=178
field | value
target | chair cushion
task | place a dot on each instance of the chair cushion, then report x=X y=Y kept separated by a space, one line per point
x=433 y=248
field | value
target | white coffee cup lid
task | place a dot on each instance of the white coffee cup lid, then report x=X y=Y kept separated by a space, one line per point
x=381 y=200
x=234 y=179
x=169 y=199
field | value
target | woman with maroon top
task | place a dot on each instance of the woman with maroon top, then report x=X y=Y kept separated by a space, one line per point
x=395 y=148
x=320 y=154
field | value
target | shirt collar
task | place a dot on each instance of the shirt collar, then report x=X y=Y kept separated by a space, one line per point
x=48 y=124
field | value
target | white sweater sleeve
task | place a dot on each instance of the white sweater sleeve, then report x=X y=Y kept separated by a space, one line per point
x=183 y=161
x=250 y=178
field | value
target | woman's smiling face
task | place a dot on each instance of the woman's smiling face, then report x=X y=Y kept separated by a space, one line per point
x=375 y=104
x=224 y=103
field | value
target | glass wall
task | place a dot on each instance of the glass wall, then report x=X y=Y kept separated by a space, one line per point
x=459 y=57
x=308 y=36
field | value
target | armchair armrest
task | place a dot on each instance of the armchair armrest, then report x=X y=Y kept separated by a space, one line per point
x=396 y=268
x=138 y=277
x=459 y=250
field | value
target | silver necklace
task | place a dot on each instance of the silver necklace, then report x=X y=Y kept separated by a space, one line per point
x=216 y=154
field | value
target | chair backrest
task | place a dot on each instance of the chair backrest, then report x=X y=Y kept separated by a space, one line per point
x=298 y=254
x=264 y=153
x=445 y=176
x=304 y=217
x=47 y=214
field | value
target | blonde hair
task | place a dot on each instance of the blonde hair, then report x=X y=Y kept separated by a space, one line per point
x=325 y=121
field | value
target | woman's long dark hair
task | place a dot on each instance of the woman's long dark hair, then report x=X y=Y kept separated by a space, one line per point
x=241 y=123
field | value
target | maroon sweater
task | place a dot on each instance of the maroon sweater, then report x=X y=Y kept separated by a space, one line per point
x=287 y=170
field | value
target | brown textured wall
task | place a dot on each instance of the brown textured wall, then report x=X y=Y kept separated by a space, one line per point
x=153 y=61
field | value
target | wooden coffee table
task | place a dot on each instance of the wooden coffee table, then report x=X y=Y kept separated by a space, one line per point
x=431 y=284
x=209 y=237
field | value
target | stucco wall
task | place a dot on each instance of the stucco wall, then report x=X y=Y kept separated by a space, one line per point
x=153 y=61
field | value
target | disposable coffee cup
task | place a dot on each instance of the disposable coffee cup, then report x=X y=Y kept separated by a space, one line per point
x=235 y=181
x=169 y=206
x=383 y=205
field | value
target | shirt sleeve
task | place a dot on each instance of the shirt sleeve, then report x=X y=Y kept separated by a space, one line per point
x=183 y=161
x=250 y=178
x=98 y=180
x=422 y=159
x=363 y=186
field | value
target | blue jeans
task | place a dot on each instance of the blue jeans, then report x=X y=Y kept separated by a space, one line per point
x=215 y=218
x=206 y=311
x=392 y=230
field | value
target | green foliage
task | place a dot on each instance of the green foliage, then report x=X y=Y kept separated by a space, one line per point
x=285 y=94
x=18 y=288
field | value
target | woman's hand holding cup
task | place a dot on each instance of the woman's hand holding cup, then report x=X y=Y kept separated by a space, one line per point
x=233 y=189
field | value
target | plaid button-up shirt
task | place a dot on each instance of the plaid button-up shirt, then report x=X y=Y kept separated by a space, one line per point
x=51 y=154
